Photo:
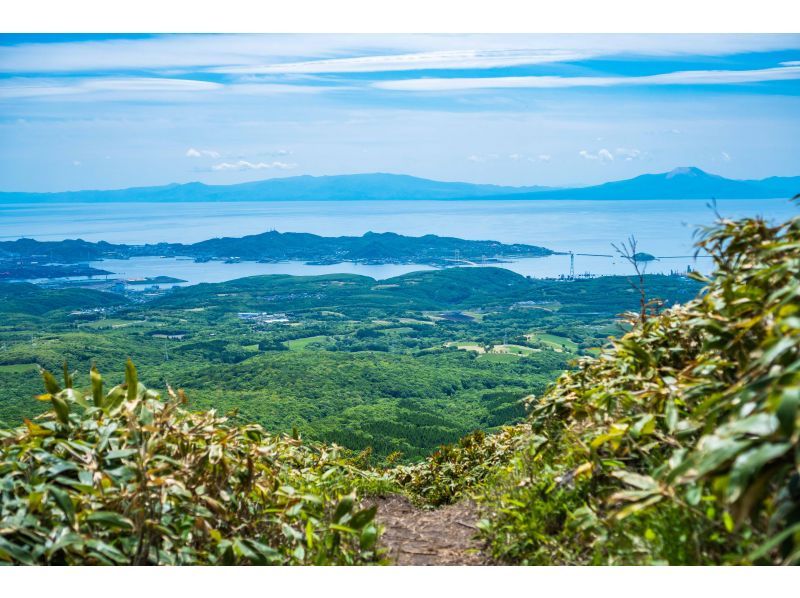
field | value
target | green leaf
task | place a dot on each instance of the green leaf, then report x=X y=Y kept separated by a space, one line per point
x=344 y=507
x=774 y=542
x=644 y=426
x=369 y=536
x=748 y=463
x=727 y=521
x=61 y=408
x=12 y=552
x=760 y=424
x=111 y=519
x=64 y=503
x=97 y=387
x=643 y=482
x=67 y=376
x=787 y=409
x=131 y=380
x=114 y=398
x=362 y=518
x=671 y=416
x=107 y=551
x=713 y=453
x=780 y=347
x=309 y=534
x=50 y=383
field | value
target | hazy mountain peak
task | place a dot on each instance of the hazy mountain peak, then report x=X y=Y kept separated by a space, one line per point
x=686 y=171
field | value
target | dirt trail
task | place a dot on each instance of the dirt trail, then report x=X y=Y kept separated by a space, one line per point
x=418 y=537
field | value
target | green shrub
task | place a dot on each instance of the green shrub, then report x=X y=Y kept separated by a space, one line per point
x=679 y=443
x=124 y=477
x=456 y=469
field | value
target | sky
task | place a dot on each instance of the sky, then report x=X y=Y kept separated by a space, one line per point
x=115 y=111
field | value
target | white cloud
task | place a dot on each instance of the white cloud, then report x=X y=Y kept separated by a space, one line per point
x=550 y=82
x=514 y=157
x=726 y=156
x=602 y=155
x=628 y=154
x=196 y=153
x=26 y=87
x=245 y=165
x=242 y=50
x=76 y=162
x=450 y=59
x=791 y=63
x=260 y=89
x=482 y=157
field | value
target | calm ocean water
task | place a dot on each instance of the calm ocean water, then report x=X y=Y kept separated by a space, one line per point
x=663 y=228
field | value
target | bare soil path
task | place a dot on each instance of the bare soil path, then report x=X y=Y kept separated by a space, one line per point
x=444 y=536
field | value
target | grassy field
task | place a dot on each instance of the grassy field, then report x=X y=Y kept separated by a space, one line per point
x=19 y=368
x=559 y=343
x=301 y=344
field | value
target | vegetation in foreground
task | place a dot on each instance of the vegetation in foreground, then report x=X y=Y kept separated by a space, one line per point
x=123 y=477
x=678 y=444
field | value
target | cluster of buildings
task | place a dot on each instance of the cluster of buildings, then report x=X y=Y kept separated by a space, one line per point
x=263 y=317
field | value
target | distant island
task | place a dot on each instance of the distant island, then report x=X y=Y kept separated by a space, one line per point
x=29 y=258
x=680 y=183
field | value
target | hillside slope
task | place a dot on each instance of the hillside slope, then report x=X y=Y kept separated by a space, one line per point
x=679 y=444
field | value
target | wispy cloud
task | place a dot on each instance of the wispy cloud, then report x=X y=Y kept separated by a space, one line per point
x=480 y=158
x=196 y=153
x=246 y=165
x=28 y=87
x=513 y=157
x=628 y=154
x=452 y=59
x=699 y=77
x=258 y=51
x=602 y=155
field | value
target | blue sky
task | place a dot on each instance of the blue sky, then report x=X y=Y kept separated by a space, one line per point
x=107 y=111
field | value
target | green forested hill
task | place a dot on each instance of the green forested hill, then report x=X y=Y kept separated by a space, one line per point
x=31 y=300
x=403 y=364
x=273 y=246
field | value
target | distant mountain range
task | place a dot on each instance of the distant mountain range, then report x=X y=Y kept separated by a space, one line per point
x=680 y=183
x=299 y=188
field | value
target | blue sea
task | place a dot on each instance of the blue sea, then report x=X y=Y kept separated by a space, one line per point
x=664 y=228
